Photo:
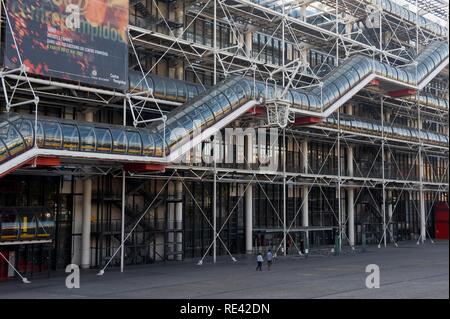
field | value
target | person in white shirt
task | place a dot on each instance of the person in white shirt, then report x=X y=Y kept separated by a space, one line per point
x=259 y=260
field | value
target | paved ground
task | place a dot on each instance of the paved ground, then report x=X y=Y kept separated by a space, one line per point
x=409 y=271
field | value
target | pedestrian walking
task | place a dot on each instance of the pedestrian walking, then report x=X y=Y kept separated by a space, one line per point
x=259 y=261
x=269 y=258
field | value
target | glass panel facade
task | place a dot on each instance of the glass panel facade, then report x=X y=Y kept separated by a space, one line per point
x=53 y=135
x=147 y=144
x=88 y=139
x=11 y=139
x=104 y=140
x=71 y=137
x=134 y=143
x=4 y=155
x=119 y=141
x=27 y=131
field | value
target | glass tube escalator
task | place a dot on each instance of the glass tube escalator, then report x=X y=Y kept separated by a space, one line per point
x=357 y=68
x=318 y=99
x=403 y=13
x=396 y=132
x=204 y=110
x=19 y=133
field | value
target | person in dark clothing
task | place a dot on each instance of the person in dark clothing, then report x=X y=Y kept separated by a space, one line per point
x=269 y=258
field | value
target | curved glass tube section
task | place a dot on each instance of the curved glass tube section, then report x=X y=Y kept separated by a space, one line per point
x=204 y=110
x=428 y=100
x=164 y=88
x=334 y=86
x=17 y=132
x=357 y=68
x=376 y=128
x=403 y=13
x=390 y=7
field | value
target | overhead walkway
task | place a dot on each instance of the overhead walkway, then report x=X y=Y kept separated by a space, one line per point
x=428 y=100
x=22 y=139
x=359 y=71
x=166 y=89
x=387 y=130
x=403 y=13
x=390 y=8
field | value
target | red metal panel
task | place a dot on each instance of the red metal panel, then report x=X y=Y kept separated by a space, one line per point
x=441 y=206
x=10 y=171
x=441 y=230
x=305 y=120
x=3 y=265
x=441 y=220
x=36 y=162
x=404 y=92
x=257 y=110
x=143 y=167
x=47 y=161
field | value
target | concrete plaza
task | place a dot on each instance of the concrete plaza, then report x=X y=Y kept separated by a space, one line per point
x=409 y=271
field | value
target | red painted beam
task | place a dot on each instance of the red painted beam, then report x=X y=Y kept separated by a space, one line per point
x=403 y=92
x=257 y=110
x=11 y=170
x=44 y=162
x=144 y=167
x=36 y=162
x=305 y=120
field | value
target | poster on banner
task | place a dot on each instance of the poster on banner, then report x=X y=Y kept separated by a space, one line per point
x=78 y=40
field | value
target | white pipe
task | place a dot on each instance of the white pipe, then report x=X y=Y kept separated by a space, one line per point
x=179 y=220
x=423 y=224
x=350 y=161
x=248 y=43
x=122 y=226
x=249 y=220
x=305 y=192
x=305 y=155
x=86 y=228
x=351 y=216
x=87 y=214
x=390 y=214
x=305 y=211
x=350 y=191
x=170 y=221
x=214 y=154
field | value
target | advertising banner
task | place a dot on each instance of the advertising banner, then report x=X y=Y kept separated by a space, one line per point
x=79 y=40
